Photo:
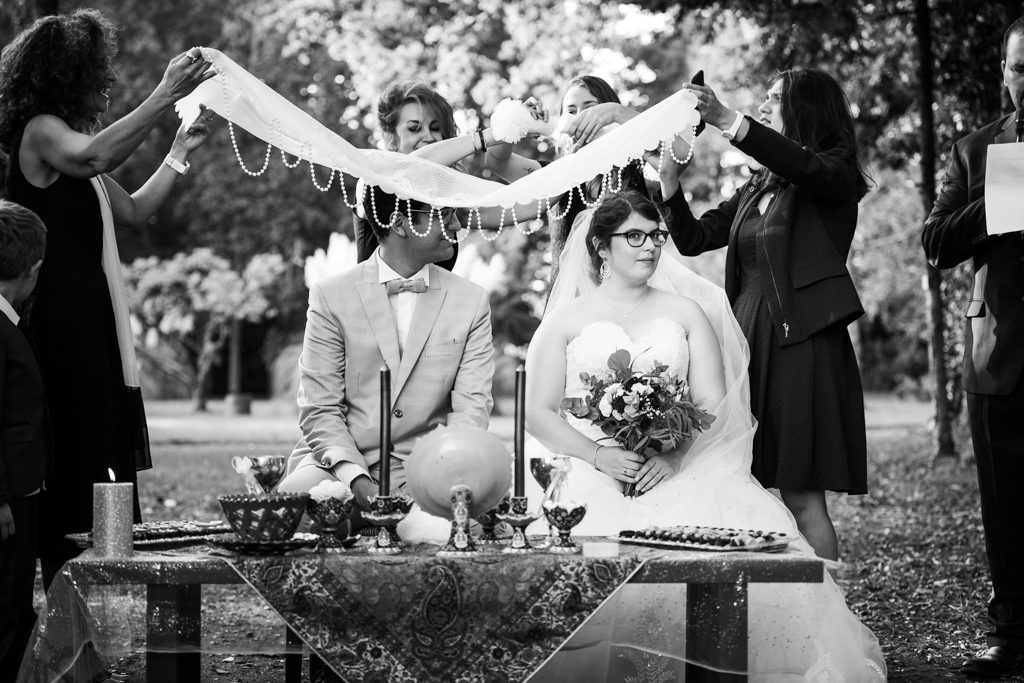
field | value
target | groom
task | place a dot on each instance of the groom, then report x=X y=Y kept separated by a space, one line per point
x=432 y=329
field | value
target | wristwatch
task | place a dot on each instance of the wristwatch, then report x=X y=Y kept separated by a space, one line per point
x=181 y=168
x=734 y=128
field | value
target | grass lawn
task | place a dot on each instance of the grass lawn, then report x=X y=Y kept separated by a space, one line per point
x=914 y=551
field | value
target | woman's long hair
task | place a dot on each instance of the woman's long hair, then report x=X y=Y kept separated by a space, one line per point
x=632 y=175
x=816 y=113
x=401 y=93
x=51 y=68
x=597 y=86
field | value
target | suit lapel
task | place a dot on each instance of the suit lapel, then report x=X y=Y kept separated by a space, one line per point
x=1005 y=133
x=428 y=306
x=378 y=314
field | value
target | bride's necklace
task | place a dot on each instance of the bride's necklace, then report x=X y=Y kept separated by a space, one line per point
x=631 y=311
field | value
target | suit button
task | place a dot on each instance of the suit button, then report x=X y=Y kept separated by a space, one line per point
x=397 y=412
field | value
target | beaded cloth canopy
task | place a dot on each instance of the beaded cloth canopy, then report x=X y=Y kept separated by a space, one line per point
x=247 y=102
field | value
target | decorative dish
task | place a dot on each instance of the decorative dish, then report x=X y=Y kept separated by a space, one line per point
x=720 y=539
x=165 y=534
x=234 y=543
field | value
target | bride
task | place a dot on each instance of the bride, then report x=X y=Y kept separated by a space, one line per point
x=615 y=292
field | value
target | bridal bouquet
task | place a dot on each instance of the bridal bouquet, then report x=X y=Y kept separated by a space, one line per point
x=644 y=412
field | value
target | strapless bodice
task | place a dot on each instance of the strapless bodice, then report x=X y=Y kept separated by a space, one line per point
x=662 y=341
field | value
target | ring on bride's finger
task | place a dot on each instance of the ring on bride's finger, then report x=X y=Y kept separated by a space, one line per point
x=192 y=59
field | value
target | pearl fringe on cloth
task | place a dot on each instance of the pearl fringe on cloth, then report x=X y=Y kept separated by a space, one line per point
x=245 y=101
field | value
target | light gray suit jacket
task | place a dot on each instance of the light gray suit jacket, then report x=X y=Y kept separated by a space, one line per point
x=444 y=376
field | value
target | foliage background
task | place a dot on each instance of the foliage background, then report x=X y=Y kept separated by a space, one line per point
x=333 y=57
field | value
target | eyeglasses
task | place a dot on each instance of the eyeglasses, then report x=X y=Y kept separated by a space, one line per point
x=446 y=214
x=637 y=238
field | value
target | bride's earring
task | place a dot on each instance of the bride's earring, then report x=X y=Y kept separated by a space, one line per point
x=605 y=271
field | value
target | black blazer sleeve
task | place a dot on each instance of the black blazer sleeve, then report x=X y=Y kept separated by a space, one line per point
x=827 y=175
x=956 y=226
x=691 y=235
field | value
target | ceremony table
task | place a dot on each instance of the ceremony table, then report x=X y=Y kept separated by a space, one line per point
x=407 y=617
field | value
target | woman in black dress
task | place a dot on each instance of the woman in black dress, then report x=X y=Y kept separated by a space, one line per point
x=55 y=80
x=788 y=232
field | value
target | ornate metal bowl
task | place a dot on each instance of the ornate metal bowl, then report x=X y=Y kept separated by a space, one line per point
x=262 y=518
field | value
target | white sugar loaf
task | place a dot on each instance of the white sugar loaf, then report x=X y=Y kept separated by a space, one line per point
x=331 y=490
x=512 y=120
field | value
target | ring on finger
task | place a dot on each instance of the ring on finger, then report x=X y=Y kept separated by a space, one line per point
x=192 y=59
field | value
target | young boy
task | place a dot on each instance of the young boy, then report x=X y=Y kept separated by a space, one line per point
x=24 y=441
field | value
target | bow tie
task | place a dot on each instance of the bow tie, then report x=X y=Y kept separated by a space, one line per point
x=416 y=286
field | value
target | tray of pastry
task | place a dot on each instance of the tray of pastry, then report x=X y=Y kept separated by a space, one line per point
x=720 y=539
x=164 y=534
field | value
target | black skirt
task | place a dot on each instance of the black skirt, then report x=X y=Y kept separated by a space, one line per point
x=807 y=397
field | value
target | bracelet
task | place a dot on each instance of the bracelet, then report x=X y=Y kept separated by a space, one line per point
x=180 y=168
x=599 y=447
x=480 y=137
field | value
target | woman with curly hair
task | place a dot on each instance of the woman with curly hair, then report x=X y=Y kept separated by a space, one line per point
x=416 y=119
x=55 y=80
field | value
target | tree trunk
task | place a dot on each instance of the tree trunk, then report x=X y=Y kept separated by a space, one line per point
x=199 y=394
x=945 y=446
x=235 y=358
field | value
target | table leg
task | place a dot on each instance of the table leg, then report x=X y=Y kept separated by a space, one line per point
x=293 y=656
x=716 y=631
x=173 y=633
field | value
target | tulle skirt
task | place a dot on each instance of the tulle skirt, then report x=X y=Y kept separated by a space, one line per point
x=796 y=632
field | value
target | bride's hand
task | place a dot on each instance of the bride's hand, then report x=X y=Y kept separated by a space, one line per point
x=657 y=470
x=618 y=463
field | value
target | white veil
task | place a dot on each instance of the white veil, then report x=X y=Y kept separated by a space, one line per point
x=732 y=433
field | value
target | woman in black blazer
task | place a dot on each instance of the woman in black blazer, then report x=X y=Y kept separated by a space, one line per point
x=788 y=232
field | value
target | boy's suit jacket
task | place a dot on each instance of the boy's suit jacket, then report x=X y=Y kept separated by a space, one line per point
x=443 y=377
x=24 y=437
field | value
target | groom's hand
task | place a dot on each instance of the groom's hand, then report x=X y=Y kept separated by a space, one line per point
x=363 y=488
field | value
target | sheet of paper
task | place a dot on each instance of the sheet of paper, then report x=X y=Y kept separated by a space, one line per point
x=1004 y=188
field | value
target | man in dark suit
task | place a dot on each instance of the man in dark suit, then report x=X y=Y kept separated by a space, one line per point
x=24 y=442
x=956 y=231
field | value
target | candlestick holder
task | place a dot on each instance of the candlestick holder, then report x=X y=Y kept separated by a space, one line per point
x=489 y=520
x=460 y=542
x=518 y=517
x=385 y=514
x=564 y=516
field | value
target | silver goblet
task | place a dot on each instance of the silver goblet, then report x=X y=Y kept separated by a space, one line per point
x=261 y=472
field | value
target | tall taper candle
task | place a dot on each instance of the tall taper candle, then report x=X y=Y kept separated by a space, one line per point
x=520 y=435
x=385 y=432
x=112 y=519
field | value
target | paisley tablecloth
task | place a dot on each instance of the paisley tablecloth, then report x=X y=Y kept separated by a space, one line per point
x=408 y=617
x=416 y=617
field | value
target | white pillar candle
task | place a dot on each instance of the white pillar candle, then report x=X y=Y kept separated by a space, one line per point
x=112 y=519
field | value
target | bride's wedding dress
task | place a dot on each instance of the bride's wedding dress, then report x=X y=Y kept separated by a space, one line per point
x=797 y=631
